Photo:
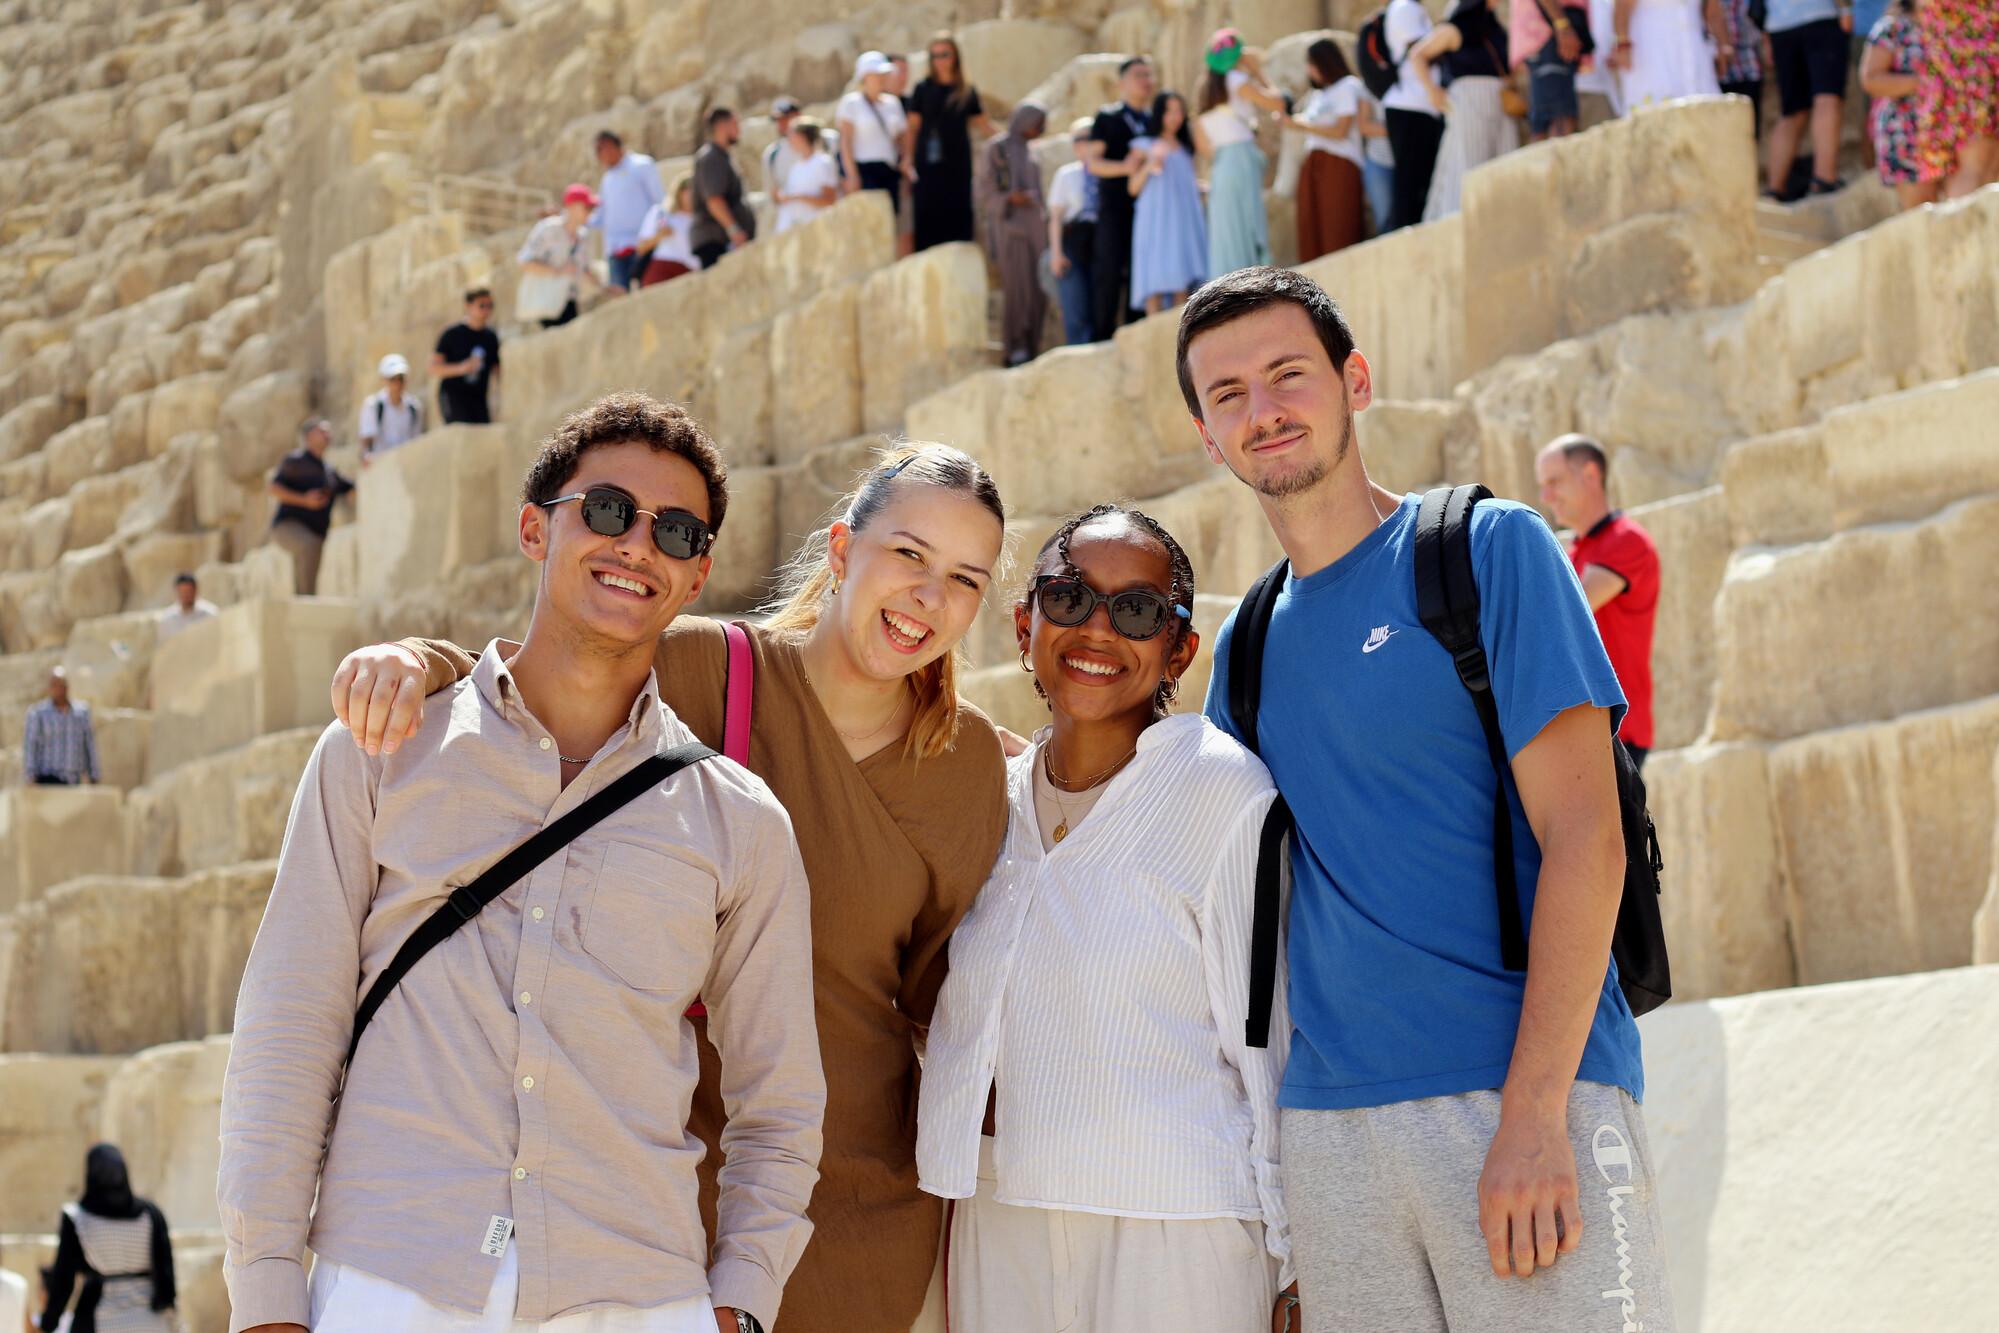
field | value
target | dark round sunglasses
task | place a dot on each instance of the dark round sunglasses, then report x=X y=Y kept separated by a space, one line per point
x=611 y=513
x=1138 y=614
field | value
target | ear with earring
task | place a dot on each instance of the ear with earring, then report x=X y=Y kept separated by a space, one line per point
x=1039 y=693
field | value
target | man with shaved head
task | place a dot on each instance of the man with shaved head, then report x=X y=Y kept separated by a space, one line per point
x=1619 y=567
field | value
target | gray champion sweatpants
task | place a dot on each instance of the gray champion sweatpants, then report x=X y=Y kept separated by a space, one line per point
x=1383 y=1205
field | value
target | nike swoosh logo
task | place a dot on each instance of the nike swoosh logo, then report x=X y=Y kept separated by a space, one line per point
x=1374 y=643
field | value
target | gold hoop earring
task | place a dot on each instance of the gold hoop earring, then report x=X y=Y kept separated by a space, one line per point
x=1023 y=662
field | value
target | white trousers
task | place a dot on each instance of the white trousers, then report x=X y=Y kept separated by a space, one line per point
x=347 y=1300
x=1046 y=1270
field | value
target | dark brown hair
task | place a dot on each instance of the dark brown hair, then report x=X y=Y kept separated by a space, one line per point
x=1246 y=291
x=627 y=418
x=1327 y=63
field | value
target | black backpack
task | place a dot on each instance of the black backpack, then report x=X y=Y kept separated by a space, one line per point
x=1377 y=68
x=1447 y=603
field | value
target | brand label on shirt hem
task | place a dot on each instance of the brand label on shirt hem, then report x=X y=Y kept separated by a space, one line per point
x=498 y=1232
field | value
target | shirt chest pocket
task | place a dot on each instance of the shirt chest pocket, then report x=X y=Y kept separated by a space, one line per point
x=650 y=919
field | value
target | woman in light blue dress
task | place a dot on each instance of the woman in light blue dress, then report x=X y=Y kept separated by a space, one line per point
x=1169 y=232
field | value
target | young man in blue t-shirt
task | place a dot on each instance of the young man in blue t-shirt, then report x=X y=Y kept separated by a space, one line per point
x=1436 y=1104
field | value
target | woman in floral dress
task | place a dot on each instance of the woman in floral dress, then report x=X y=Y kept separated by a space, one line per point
x=1890 y=74
x=1957 y=94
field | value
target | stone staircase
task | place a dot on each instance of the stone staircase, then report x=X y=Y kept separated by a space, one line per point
x=168 y=315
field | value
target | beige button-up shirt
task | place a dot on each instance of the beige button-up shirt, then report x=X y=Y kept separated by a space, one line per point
x=536 y=1065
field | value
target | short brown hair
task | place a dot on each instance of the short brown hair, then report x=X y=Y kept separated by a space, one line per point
x=627 y=418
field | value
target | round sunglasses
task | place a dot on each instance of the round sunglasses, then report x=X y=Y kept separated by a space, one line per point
x=611 y=513
x=1138 y=613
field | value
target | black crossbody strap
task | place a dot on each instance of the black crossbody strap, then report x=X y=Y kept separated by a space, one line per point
x=1447 y=602
x=1252 y=627
x=469 y=900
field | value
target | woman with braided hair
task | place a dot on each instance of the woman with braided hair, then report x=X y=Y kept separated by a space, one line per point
x=1089 y=1097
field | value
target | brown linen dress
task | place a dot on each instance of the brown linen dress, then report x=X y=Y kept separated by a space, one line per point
x=895 y=849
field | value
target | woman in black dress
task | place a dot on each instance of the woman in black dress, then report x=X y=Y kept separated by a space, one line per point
x=944 y=112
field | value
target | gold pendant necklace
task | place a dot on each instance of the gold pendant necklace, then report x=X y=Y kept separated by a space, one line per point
x=1056 y=788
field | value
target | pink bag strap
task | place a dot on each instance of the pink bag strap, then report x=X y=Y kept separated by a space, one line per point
x=738 y=693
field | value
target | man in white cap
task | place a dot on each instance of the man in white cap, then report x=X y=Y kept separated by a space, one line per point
x=391 y=416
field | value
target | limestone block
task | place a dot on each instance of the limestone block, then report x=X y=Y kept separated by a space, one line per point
x=1517 y=203
x=55 y=834
x=91 y=582
x=743 y=396
x=1403 y=295
x=28 y=427
x=124 y=736
x=1777 y=488
x=1405 y=443
x=1894 y=261
x=1837 y=613
x=51 y=1108
x=1725 y=894
x=746 y=550
x=258 y=423
x=44 y=533
x=1011 y=56
x=176 y=823
x=1907 y=455
x=815 y=371
x=662 y=58
x=1079 y=87
x=1820 y=293
x=98 y=503
x=1523 y=403
x=426 y=509
x=1767 y=1114
x=923 y=326
x=1691 y=533
x=164 y=1108
x=1887 y=832
x=260 y=666
x=1057 y=436
x=128 y=429
x=655 y=340
x=1962 y=332
x=87 y=449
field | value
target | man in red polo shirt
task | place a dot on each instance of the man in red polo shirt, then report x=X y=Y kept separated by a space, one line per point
x=1619 y=567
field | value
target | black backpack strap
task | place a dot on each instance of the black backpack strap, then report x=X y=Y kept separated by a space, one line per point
x=1263 y=925
x=1252 y=627
x=1447 y=603
x=469 y=900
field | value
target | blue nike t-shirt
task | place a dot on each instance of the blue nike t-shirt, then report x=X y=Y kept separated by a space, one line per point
x=1396 y=986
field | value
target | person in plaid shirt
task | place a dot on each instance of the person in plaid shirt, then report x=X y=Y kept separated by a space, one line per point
x=1739 y=64
x=60 y=745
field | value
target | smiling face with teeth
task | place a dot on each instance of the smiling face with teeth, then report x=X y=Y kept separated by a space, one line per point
x=1091 y=673
x=912 y=580
x=616 y=593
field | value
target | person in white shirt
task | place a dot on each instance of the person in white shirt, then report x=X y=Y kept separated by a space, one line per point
x=1415 y=127
x=782 y=155
x=629 y=188
x=812 y=182
x=190 y=608
x=874 y=130
x=667 y=233
x=553 y=256
x=1335 y=120
x=1090 y=1091
x=1072 y=237
x=391 y=416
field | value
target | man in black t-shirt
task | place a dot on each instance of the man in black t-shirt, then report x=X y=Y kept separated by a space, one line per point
x=722 y=217
x=1107 y=157
x=305 y=487
x=466 y=361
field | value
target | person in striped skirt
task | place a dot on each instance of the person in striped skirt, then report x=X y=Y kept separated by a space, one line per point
x=113 y=1253
x=1089 y=1097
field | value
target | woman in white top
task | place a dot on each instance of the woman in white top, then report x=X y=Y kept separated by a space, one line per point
x=1233 y=96
x=113 y=1251
x=874 y=130
x=667 y=232
x=1668 y=53
x=812 y=183
x=1335 y=120
x=1089 y=1094
x=1415 y=127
